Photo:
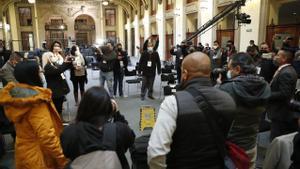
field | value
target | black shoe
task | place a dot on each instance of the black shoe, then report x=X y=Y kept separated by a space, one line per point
x=151 y=97
x=142 y=98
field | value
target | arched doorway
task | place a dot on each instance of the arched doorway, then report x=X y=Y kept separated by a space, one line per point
x=84 y=30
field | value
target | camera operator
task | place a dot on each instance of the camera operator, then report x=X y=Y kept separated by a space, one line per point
x=178 y=52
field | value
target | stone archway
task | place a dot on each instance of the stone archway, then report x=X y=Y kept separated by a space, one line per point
x=85 y=34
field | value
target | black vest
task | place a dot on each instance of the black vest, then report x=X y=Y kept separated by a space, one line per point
x=193 y=145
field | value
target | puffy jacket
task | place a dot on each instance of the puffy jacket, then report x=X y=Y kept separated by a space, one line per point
x=251 y=94
x=38 y=126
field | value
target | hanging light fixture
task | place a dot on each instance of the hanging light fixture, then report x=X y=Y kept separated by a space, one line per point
x=31 y=1
x=105 y=2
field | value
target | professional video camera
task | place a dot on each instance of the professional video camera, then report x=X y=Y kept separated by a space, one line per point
x=217 y=71
x=243 y=18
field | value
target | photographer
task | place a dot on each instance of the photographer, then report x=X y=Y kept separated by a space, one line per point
x=78 y=72
x=54 y=67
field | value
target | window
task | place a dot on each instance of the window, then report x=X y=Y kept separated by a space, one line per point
x=27 y=41
x=169 y=4
x=111 y=36
x=153 y=7
x=25 y=16
x=110 y=17
x=56 y=21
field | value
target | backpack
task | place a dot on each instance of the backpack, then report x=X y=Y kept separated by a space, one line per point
x=100 y=159
x=139 y=152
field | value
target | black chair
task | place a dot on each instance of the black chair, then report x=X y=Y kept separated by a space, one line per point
x=135 y=80
x=166 y=78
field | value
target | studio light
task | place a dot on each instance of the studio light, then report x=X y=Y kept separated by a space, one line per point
x=105 y=3
x=31 y=1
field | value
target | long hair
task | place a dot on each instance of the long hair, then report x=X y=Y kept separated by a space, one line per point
x=28 y=72
x=52 y=45
x=95 y=107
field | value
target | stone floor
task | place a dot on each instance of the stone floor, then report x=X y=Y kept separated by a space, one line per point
x=129 y=106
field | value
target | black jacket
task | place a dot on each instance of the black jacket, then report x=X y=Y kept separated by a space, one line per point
x=283 y=88
x=82 y=138
x=55 y=82
x=155 y=64
x=251 y=94
x=107 y=61
x=124 y=59
x=194 y=145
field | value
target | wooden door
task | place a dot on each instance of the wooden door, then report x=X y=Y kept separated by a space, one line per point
x=224 y=35
x=277 y=33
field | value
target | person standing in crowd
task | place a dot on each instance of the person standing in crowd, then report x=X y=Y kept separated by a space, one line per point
x=230 y=50
x=78 y=72
x=266 y=67
x=88 y=132
x=54 y=67
x=296 y=63
x=7 y=71
x=148 y=63
x=106 y=64
x=283 y=87
x=38 y=126
x=178 y=52
x=119 y=69
x=2 y=53
x=253 y=52
x=216 y=56
x=252 y=44
x=251 y=94
x=173 y=142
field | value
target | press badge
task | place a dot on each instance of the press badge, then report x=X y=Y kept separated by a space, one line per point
x=181 y=57
x=104 y=61
x=63 y=76
x=258 y=70
x=149 y=64
x=121 y=64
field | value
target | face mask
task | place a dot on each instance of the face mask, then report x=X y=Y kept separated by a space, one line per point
x=77 y=53
x=228 y=75
x=150 y=49
x=263 y=51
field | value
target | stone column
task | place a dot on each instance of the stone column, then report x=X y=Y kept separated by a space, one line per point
x=121 y=28
x=129 y=40
x=205 y=13
x=250 y=31
x=14 y=28
x=36 y=27
x=180 y=21
x=147 y=23
x=161 y=30
x=136 y=24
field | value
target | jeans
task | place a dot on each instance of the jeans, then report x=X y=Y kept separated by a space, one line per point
x=118 y=79
x=108 y=77
x=147 y=83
